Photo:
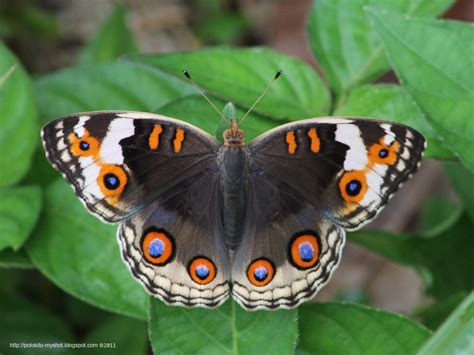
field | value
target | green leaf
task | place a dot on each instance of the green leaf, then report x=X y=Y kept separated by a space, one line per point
x=434 y=62
x=456 y=335
x=18 y=260
x=226 y=330
x=19 y=211
x=445 y=261
x=19 y=128
x=435 y=314
x=462 y=179
x=241 y=75
x=392 y=103
x=119 y=335
x=107 y=86
x=25 y=322
x=342 y=328
x=81 y=255
x=195 y=110
x=112 y=40
x=438 y=215
x=346 y=45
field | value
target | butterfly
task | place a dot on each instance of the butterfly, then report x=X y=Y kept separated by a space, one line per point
x=201 y=221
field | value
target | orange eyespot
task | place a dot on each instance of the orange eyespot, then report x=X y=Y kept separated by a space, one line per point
x=202 y=270
x=260 y=272
x=304 y=250
x=381 y=153
x=154 y=139
x=85 y=146
x=315 y=142
x=353 y=186
x=157 y=246
x=112 y=180
x=291 y=141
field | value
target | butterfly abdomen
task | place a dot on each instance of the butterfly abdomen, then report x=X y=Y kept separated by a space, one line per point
x=234 y=179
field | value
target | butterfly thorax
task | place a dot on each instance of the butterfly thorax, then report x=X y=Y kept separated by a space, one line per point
x=234 y=176
x=234 y=136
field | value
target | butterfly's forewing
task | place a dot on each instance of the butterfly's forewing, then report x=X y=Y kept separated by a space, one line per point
x=118 y=162
x=310 y=179
x=346 y=168
x=159 y=176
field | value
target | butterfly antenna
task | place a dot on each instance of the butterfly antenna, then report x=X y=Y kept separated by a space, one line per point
x=277 y=75
x=187 y=75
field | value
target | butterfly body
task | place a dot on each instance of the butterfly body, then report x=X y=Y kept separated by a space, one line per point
x=199 y=220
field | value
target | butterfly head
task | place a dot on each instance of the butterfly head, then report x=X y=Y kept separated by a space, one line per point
x=234 y=136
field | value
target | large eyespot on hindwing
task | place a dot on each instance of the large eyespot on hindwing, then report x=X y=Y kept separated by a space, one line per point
x=304 y=249
x=202 y=270
x=260 y=272
x=112 y=180
x=353 y=186
x=157 y=246
x=85 y=146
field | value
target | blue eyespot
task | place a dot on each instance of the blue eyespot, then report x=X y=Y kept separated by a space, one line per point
x=260 y=273
x=202 y=271
x=83 y=145
x=111 y=181
x=353 y=187
x=306 y=251
x=156 y=248
x=383 y=153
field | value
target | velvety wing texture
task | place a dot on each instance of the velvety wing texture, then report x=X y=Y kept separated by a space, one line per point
x=345 y=168
x=175 y=246
x=119 y=162
x=288 y=250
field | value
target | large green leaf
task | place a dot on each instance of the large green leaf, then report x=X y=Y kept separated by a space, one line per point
x=107 y=86
x=435 y=63
x=241 y=75
x=195 y=110
x=113 y=39
x=19 y=210
x=26 y=323
x=392 y=103
x=345 y=43
x=444 y=261
x=80 y=255
x=456 y=335
x=342 y=328
x=119 y=335
x=226 y=330
x=18 y=125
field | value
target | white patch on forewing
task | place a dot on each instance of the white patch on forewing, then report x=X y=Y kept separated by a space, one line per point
x=111 y=151
x=356 y=156
x=79 y=127
x=91 y=172
x=390 y=136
